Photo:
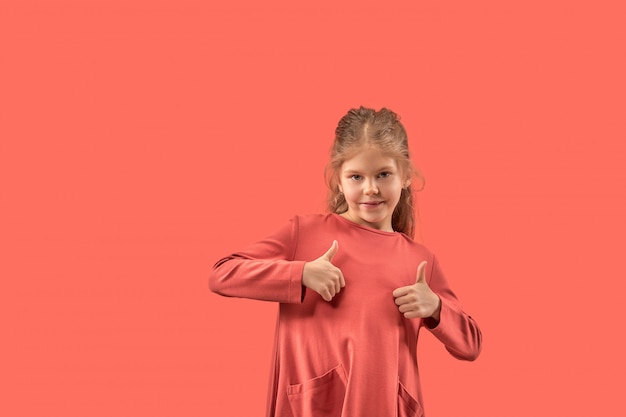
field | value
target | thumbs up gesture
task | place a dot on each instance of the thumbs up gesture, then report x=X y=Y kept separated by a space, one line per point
x=322 y=276
x=418 y=300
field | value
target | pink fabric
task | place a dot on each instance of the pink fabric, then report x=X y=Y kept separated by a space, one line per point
x=356 y=355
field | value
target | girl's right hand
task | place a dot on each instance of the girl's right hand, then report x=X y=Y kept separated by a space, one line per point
x=322 y=276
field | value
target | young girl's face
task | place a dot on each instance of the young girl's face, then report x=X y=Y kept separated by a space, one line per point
x=371 y=183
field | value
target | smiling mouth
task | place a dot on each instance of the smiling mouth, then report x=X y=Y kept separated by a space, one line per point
x=372 y=203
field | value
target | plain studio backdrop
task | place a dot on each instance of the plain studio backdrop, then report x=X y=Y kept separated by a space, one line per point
x=143 y=140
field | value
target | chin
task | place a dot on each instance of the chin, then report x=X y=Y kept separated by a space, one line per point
x=375 y=223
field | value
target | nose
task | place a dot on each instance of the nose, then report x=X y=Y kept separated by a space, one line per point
x=370 y=188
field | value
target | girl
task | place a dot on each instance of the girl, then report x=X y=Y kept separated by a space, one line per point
x=354 y=288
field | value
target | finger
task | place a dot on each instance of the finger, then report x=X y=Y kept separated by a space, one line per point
x=336 y=285
x=342 y=281
x=421 y=273
x=330 y=291
x=402 y=291
x=406 y=308
x=402 y=300
x=330 y=253
x=415 y=314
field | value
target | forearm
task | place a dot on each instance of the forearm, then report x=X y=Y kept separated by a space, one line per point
x=457 y=331
x=267 y=280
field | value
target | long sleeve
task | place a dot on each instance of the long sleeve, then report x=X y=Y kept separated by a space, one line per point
x=456 y=330
x=263 y=271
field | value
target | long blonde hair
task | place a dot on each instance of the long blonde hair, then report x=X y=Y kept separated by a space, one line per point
x=382 y=129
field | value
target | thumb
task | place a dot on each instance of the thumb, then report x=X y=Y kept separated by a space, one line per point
x=330 y=253
x=421 y=273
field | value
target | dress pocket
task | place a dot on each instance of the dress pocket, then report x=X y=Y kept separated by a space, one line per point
x=321 y=396
x=407 y=405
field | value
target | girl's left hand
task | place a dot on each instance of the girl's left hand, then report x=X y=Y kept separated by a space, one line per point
x=418 y=300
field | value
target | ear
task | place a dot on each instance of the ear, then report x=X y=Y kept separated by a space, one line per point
x=406 y=183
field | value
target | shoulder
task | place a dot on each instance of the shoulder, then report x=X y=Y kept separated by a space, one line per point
x=417 y=247
x=305 y=221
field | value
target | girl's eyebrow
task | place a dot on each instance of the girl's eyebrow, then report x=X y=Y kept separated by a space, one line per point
x=354 y=171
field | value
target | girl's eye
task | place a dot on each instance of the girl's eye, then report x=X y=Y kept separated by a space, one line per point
x=355 y=177
x=384 y=174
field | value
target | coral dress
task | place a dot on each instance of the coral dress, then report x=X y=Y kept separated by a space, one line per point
x=354 y=356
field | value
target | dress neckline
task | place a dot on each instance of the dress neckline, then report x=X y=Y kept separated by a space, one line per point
x=363 y=227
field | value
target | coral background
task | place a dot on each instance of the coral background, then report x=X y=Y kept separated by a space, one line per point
x=143 y=140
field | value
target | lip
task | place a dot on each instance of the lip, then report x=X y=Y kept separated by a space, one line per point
x=372 y=203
